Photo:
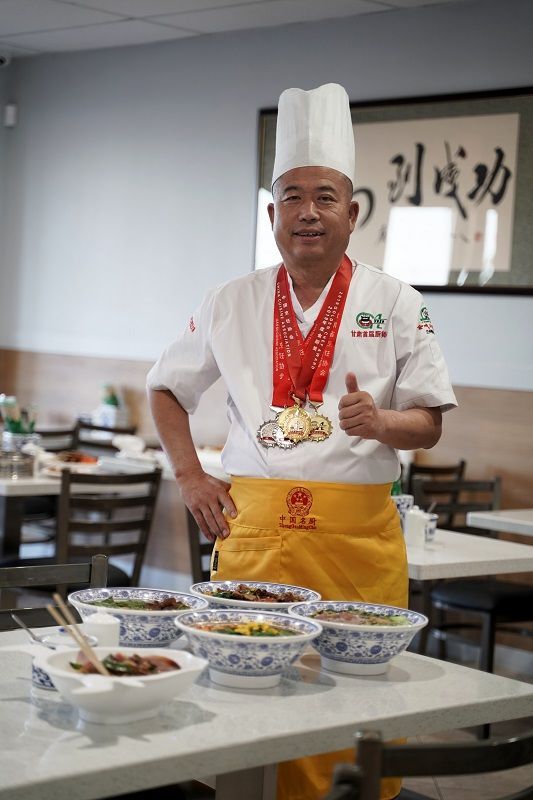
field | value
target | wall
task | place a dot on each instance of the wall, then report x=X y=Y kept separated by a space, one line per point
x=5 y=83
x=131 y=176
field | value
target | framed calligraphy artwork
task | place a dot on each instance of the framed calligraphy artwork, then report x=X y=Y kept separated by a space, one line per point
x=445 y=190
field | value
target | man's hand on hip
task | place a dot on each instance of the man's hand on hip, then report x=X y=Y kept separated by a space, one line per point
x=206 y=497
x=358 y=414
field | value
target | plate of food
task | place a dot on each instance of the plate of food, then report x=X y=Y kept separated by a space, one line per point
x=246 y=649
x=138 y=685
x=252 y=594
x=360 y=638
x=74 y=460
x=146 y=616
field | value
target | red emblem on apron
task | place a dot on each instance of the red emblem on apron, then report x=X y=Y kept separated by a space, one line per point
x=299 y=501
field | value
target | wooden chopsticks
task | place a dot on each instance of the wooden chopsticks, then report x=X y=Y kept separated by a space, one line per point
x=68 y=622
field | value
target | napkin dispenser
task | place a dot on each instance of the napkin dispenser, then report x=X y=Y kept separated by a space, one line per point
x=415 y=526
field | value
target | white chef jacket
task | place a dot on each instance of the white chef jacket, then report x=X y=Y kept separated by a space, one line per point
x=385 y=337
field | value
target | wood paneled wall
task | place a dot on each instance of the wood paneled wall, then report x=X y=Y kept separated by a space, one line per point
x=492 y=429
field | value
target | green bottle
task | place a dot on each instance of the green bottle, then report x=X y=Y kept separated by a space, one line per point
x=396 y=488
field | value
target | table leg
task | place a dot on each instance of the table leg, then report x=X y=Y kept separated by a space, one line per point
x=253 y=784
x=10 y=525
x=425 y=587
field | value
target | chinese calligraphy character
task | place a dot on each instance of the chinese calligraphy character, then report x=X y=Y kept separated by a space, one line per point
x=449 y=175
x=403 y=173
x=487 y=179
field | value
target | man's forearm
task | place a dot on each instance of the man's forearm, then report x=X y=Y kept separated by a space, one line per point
x=172 y=423
x=411 y=429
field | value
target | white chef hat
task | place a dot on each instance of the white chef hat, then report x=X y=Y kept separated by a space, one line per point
x=314 y=129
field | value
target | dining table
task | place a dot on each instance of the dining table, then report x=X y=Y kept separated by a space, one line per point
x=510 y=520
x=237 y=735
x=14 y=491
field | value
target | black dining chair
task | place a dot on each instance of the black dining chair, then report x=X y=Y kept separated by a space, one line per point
x=39 y=513
x=376 y=759
x=435 y=472
x=91 y=438
x=112 y=514
x=200 y=551
x=55 y=577
x=491 y=601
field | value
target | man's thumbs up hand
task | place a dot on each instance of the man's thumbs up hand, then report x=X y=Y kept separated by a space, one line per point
x=351 y=383
x=358 y=415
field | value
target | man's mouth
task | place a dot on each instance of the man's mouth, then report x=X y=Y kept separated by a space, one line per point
x=308 y=234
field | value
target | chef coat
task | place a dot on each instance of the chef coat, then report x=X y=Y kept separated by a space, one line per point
x=385 y=337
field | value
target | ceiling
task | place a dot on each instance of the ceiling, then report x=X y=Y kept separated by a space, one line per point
x=30 y=27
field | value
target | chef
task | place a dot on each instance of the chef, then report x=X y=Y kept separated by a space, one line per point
x=331 y=366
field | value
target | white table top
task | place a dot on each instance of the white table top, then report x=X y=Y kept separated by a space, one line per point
x=46 y=753
x=458 y=555
x=515 y=520
x=43 y=485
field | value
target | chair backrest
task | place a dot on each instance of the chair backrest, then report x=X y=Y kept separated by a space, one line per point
x=200 y=550
x=56 y=439
x=86 y=436
x=109 y=514
x=435 y=472
x=452 y=500
x=377 y=759
x=93 y=573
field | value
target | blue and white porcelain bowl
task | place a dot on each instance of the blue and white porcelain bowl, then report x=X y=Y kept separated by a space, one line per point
x=138 y=628
x=206 y=588
x=359 y=649
x=247 y=662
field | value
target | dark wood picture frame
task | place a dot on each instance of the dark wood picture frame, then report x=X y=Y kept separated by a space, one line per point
x=519 y=280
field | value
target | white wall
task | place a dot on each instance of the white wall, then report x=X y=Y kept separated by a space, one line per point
x=132 y=174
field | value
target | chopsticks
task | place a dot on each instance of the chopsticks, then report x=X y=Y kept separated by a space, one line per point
x=68 y=622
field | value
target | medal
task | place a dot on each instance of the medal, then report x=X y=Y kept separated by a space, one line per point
x=301 y=367
x=268 y=433
x=271 y=435
x=295 y=423
x=320 y=426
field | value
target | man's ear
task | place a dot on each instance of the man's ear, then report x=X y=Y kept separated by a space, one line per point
x=353 y=213
x=270 y=209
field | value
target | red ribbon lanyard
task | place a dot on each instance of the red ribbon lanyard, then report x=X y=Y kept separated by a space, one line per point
x=301 y=367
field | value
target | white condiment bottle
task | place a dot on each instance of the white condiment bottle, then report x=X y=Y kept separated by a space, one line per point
x=104 y=627
x=415 y=527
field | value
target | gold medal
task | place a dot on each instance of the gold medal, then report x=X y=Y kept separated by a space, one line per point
x=295 y=423
x=320 y=428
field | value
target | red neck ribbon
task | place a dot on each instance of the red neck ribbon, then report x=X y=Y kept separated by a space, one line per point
x=301 y=366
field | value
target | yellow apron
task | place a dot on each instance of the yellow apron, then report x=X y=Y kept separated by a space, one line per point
x=342 y=540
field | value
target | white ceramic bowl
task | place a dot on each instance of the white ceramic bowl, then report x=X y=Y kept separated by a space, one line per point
x=359 y=649
x=119 y=699
x=247 y=662
x=137 y=628
x=201 y=590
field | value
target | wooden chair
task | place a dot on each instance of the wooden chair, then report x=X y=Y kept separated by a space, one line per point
x=39 y=514
x=57 y=439
x=114 y=519
x=452 y=500
x=200 y=550
x=86 y=441
x=431 y=472
x=56 y=576
x=491 y=601
x=377 y=759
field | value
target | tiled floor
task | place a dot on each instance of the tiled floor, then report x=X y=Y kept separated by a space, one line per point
x=489 y=786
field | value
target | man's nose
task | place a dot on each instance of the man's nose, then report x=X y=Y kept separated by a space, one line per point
x=308 y=211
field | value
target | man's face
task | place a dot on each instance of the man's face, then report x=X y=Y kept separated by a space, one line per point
x=312 y=214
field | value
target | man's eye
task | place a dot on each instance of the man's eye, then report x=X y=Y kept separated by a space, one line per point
x=327 y=198
x=290 y=197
